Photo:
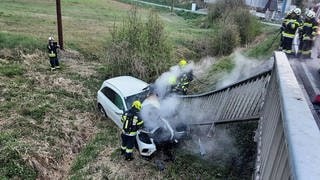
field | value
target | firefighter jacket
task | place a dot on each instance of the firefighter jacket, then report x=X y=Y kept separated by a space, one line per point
x=290 y=27
x=285 y=20
x=52 y=49
x=309 y=29
x=183 y=82
x=131 y=121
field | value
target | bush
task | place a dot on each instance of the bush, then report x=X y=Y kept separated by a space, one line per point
x=221 y=7
x=139 y=48
x=225 y=39
x=234 y=12
x=248 y=25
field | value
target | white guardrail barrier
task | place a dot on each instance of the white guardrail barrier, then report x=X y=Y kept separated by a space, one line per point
x=288 y=136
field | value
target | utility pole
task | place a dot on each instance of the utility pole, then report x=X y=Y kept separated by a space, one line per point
x=172 y=5
x=59 y=23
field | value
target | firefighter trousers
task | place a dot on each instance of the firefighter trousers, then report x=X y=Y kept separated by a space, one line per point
x=128 y=142
x=286 y=45
x=54 y=62
x=306 y=48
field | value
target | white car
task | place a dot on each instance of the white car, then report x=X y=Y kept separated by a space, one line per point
x=116 y=96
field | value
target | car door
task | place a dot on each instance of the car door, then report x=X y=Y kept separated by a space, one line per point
x=113 y=105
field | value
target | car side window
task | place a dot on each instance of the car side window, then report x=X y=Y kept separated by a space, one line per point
x=114 y=97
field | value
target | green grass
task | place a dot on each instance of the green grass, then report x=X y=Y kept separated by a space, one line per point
x=36 y=112
x=190 y=166
x=106 y=137
x=42 y=112
x=168 y=3
x=11 y=41
x=11 y=163
x=213 y=75
x=225 y=64
x=265 y=48
x=86 y=24
x=11 y=70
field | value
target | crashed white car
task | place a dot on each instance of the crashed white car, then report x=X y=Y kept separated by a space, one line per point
x=116 y=96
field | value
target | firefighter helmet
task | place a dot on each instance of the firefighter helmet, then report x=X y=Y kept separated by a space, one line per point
x=311 y=14
x=137 y=104
x=51 y=38
x=182 y=63
x=297 y=11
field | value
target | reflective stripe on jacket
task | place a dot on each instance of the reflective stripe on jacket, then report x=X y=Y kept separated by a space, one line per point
x=131 y=122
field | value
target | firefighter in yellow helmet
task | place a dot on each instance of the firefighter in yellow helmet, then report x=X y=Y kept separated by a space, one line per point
x=131 y=123
x=183 y=80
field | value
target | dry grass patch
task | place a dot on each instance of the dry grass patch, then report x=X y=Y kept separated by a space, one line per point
x=53 y=114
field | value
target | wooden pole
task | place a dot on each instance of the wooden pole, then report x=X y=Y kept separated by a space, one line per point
x=59 y=23
x=171 y=5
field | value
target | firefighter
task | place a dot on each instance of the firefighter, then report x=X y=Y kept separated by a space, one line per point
x=308 y=33
x=53 y=55
x=181 y=83
x=283 y=25
x=290 y=26
x=131 y=123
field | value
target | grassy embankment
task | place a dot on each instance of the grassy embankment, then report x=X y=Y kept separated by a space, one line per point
x=48 y=120
x=49 y=124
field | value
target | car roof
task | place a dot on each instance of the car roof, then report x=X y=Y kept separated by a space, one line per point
x=127 y=85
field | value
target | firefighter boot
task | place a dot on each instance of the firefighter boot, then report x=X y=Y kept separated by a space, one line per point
x=128 y=157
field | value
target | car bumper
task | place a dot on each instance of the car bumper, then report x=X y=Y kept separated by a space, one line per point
x=146 y=145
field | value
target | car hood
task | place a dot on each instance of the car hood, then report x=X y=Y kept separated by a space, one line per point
x=155 y=125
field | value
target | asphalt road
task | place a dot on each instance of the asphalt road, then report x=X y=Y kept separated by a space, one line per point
x=308 y=76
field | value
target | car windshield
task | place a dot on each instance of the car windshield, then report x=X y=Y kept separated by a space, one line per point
x=140 y=96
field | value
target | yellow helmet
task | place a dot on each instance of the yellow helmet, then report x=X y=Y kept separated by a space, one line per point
x=137 y=104
x=182 y=62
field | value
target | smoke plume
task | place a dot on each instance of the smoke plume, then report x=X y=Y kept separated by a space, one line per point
x=164 y=106
x=244 y=68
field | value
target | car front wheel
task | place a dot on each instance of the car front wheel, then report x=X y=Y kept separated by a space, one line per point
x=102 y=111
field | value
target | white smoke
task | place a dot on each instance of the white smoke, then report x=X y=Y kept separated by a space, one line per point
x=162 y=84
x=162 y=106
x=244 y=68
x=219 y=145
x=203 y=65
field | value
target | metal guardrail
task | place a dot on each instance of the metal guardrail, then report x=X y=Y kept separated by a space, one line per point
x=288 y=136
x=241 y=101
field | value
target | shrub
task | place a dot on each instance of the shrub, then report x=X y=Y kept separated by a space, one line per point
x=248 y=25
x=235 y=26
x=221 y=7
x=139 y=48
x=225 y=39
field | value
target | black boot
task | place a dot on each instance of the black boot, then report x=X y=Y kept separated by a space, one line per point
x=128 y=157
x=123 y=151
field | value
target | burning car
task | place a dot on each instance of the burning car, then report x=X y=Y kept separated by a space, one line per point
x=116 y=96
